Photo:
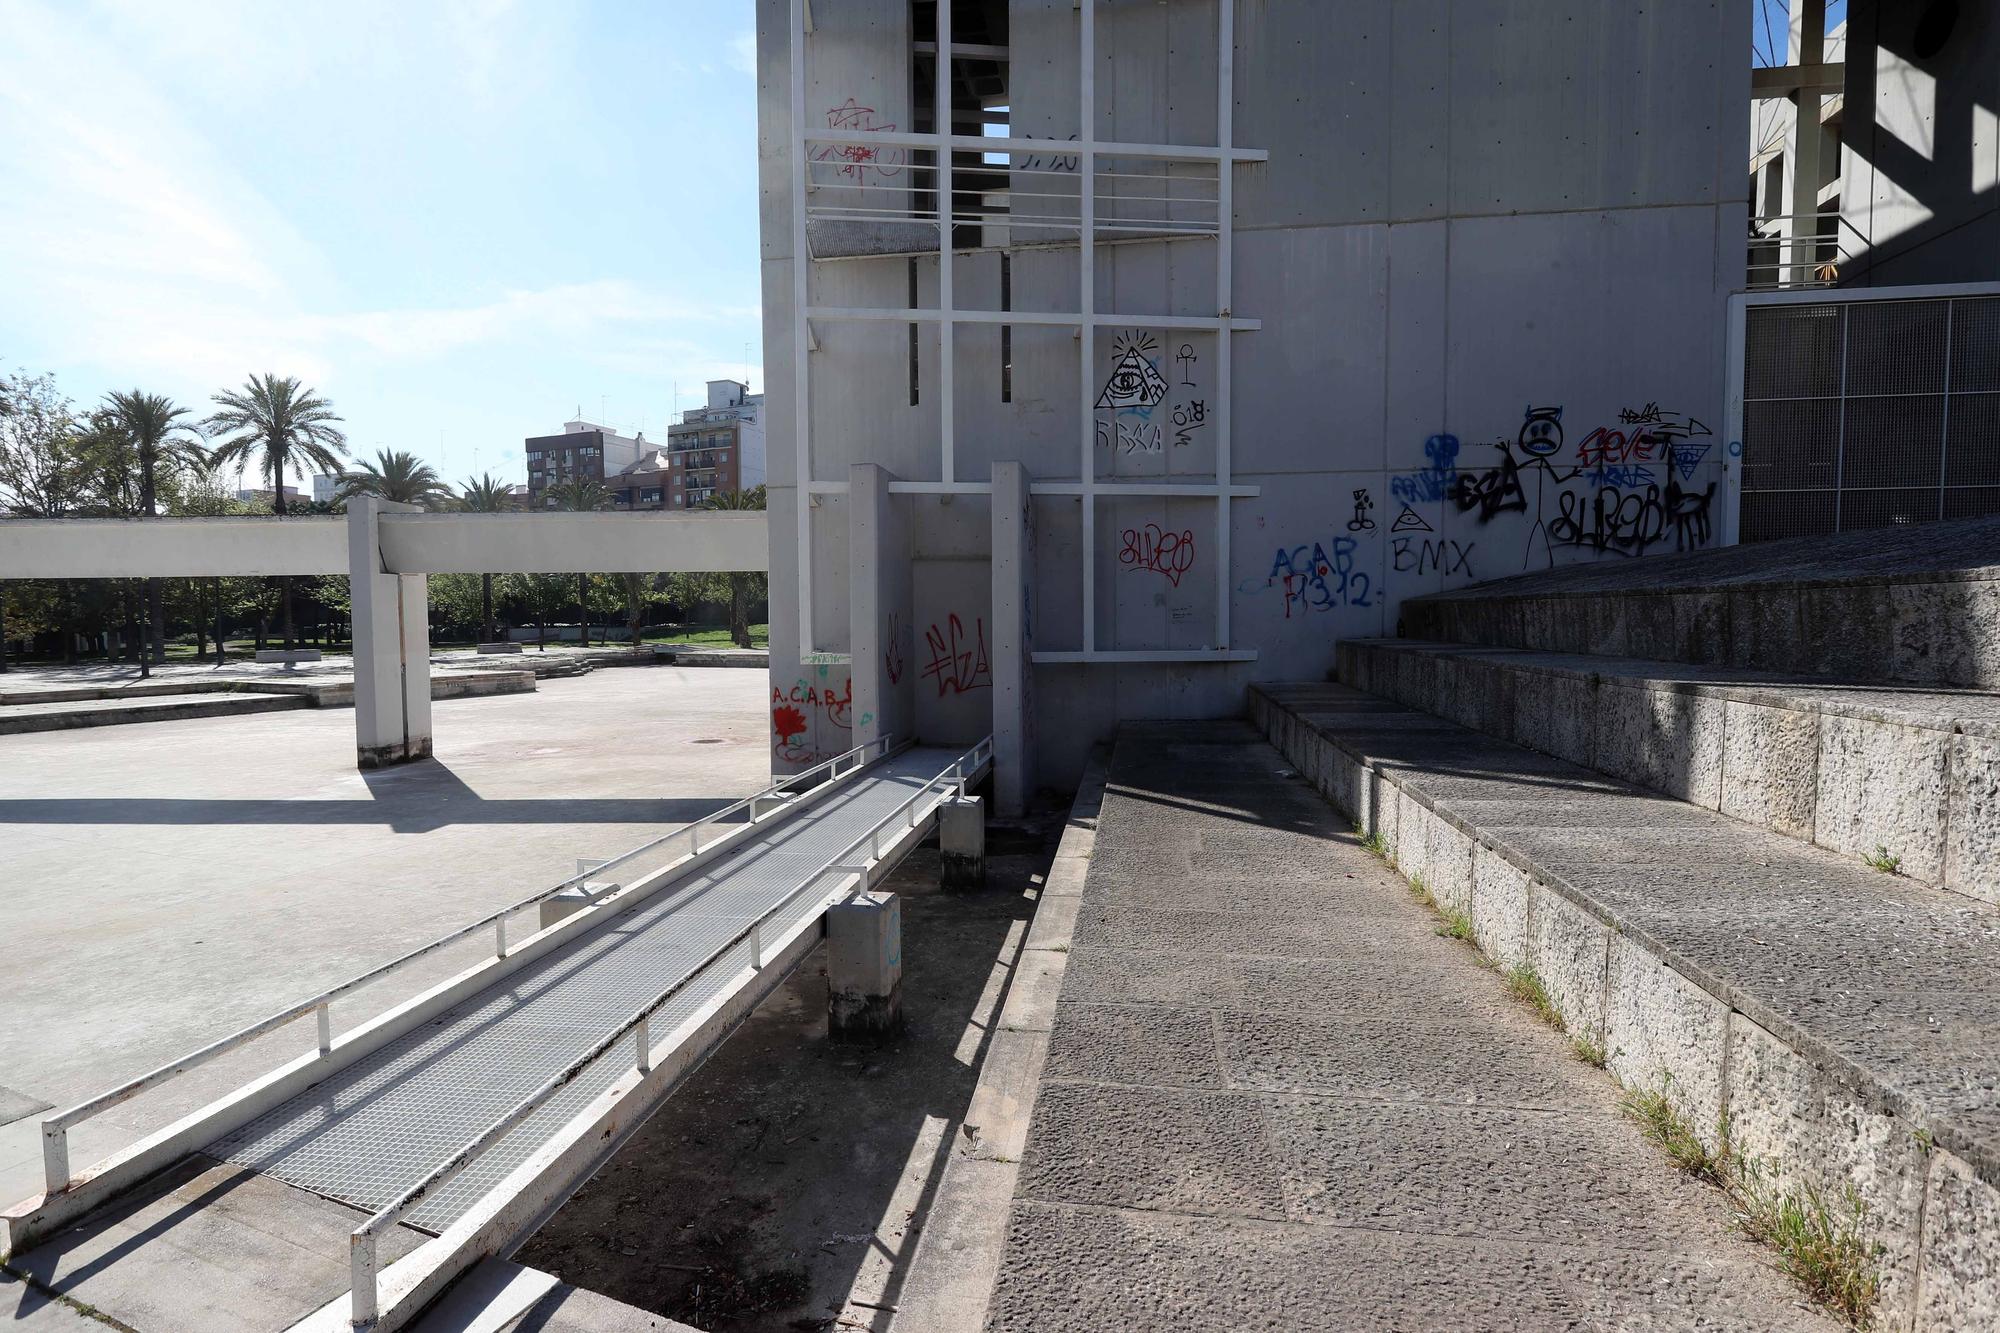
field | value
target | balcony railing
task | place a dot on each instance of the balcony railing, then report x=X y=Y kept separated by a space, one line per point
x=1791 y=250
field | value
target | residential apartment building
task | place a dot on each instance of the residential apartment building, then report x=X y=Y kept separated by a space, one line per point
x=719 y=447
x=584 y=449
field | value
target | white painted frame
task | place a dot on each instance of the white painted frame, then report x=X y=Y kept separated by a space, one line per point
x=1086 y=319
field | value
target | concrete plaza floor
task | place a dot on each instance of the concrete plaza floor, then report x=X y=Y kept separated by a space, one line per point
x=164 y=885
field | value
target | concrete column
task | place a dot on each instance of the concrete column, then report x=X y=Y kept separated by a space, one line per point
x=392 y=645
x=1808 y=142
x=864 y=968
x=1013 y=642
x=962 y=844
x=881 y=638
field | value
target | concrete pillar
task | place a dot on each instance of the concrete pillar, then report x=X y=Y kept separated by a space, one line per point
x=1013 y=642
x=962 y=844
x=881 y=637
x=392 y=645
x=864 y=968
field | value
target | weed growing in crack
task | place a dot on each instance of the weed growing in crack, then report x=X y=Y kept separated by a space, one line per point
x=1882 y=861
x=1525 y=985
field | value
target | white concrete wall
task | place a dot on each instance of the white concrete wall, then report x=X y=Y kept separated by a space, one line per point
x=1476 y=213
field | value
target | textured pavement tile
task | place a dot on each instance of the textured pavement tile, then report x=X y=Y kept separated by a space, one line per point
x=1477 y=1171
x=1393 y=1058
x=1134 y=1044
x=1174 y=1149
x=1187 y=931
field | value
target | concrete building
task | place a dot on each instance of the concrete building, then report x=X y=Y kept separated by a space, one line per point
x=1370 y=307
x=719 y=447
x=325 y=488
x=584 y=449
x=265 y=496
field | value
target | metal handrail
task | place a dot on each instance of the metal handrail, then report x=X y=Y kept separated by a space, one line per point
x=364 y=1296
x=55 y=1128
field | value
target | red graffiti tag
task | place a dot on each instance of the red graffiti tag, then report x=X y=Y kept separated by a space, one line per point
x=1150 y=549
x=956 y=664
x=788 y=722
x=856 y=160
x=1606 y=446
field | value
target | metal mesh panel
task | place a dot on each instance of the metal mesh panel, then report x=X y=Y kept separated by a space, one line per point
x=1972 y=440
x=1775 y=514
x=1896 y=346
x=1892 y=442
x=1971 y=501
x=1797 y=444
x=1975 y=344
x=1887 y=508
x=1791 y=351
x=1883 y=400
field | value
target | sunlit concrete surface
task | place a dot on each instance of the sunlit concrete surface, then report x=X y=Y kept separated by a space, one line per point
x=167 y=884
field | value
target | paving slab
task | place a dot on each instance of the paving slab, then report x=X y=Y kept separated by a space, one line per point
x=1296 y=1106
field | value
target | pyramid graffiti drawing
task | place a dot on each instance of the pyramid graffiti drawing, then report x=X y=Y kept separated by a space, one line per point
x=1134 y=384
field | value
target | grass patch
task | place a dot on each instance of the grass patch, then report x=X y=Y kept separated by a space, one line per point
x=1819 y=1240
x=1882 y=861
x=1454 y=925
x=1661 y=1121
x=1525 y=985
x=1372 y=842
x=1589 y=1050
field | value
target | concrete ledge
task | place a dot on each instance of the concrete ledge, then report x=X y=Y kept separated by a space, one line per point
x=24 y=718
x=281 y=655
x=1918 y=605
x=1848 y=1023
x=1853 y=769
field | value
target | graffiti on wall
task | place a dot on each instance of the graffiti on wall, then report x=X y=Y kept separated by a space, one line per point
x=1136 y=395
x=811 y=721
x=1153 y=550
x=1315 y=576
x=892 y=650
x=957 y=662
x=858 y=161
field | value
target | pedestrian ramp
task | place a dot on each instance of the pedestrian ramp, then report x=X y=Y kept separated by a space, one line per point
x=473 y=1110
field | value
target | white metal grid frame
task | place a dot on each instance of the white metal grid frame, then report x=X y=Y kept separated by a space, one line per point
x=943 y=215
x=1740 y=304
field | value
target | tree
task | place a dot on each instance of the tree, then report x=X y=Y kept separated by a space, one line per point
x=740 y=584
x=485 y=494
x=581 y=494
x=279 y=421
x=157 y=438
x=398 y=476
x=537 y=596
x=43 y=474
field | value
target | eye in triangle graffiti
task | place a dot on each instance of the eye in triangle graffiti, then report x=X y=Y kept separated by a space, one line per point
x=1687 y=456
x=1134 y=383
x=1409 y=521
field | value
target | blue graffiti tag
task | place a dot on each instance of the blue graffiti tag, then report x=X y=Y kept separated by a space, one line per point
x=1435 y=482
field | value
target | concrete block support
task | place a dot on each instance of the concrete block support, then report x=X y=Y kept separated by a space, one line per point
x=392 y=659
x=962 y=844
x=1013 y=639
x=864 y=968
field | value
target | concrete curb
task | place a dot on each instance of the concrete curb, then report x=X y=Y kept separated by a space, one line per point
x=1931 y=1183
x=1850 y=769
x=218 y=699
x=957 y=1261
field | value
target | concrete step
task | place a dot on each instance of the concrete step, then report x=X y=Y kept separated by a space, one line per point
x=500 y=1296
x=18 y=719
x=1917 y=605
x=1864 y=770
x=1843 y=1024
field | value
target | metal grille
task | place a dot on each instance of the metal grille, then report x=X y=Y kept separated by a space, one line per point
x=374 y=1129
x=1869 y=413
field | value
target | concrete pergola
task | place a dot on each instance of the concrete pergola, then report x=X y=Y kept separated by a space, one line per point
x=388 y=551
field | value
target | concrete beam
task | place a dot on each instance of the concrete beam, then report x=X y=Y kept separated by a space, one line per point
x=113 y=548
x=1772 y=82
x=559 y=543
x=410 y=543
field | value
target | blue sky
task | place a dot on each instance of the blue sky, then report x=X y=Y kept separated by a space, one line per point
x=459 y=219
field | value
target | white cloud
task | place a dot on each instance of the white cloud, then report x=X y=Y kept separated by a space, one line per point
x=743 y=53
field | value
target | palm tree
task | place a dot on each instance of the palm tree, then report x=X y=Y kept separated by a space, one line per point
x=155 y=433
x=485 y=494
x=398 y=476
x=739 y=584
x=581 y=494
x=281 y=421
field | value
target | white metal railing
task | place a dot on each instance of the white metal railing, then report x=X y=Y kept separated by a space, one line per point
x=1800 y=249
x=363 y=1256
x=55 y=1128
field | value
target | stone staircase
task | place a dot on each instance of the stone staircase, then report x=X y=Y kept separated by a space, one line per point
x=1740 y=813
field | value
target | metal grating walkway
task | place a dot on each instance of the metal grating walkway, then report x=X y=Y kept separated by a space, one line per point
x=369 y=1132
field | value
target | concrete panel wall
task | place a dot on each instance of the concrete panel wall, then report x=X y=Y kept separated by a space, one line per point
x=1490 y=252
